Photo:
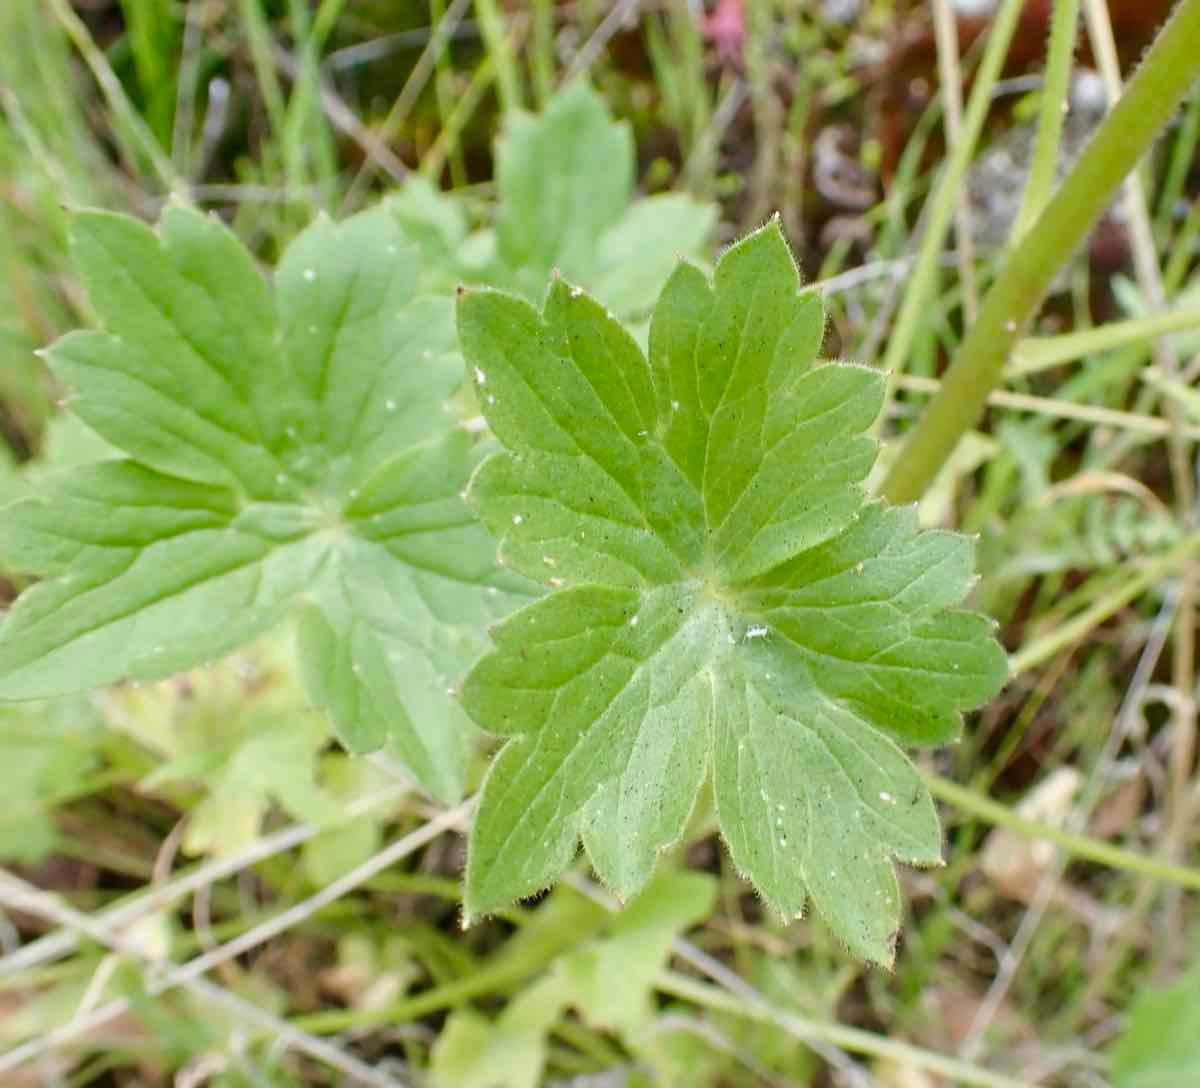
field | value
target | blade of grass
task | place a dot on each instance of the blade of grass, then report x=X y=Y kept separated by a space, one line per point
x=541 y=60
x=496 y=38
x=407 y=98
x=448 y=141
x=915 y=305
x=447 y=90
x=1183 y=158
x=1094 y=414
x=308 y=151
x=1045 y=646
x=258 y=39
x=154 y=41
x=138 y=141
x=1064 y=27
x=945 y=26
x=1040 y=353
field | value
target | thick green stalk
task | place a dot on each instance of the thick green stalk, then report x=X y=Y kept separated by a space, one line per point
x=1121 y=140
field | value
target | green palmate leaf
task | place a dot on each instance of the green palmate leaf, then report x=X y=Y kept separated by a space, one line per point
x=565 y=187
x=565 y=181
x=728 y=601
x=282 y=446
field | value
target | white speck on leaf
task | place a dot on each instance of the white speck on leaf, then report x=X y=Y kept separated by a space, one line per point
x=518 y=518
x=480 y=376
x=310 y=274
x=886 y=797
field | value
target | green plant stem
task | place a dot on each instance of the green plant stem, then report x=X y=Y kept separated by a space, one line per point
x=1182 y=158
x=1080 y=846
x=449 y=142
x=1120 y=141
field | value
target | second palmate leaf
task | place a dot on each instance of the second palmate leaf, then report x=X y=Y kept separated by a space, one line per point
x=726 y=601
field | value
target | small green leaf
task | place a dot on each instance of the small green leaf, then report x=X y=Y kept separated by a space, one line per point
x=12 y=486
x=350 y=843
x=565 y=182
x=272 y=447
x=565 y=202
x=273 y=760
x=473 y=1052
x=240 y=733
x=563 y=177
x=436 y=223
x=48 y=751
x=1160 y=1046
x=728 y=601
x=611 y=979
